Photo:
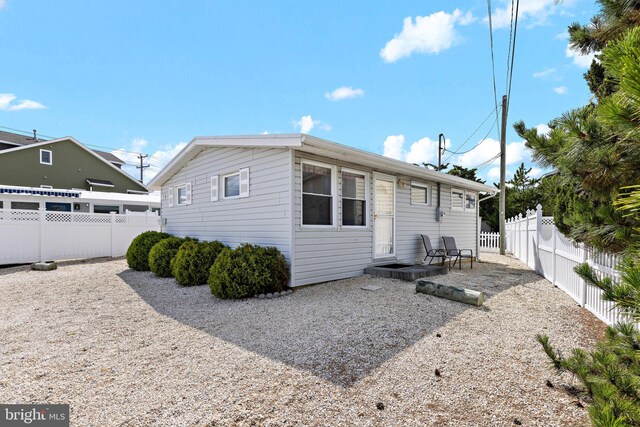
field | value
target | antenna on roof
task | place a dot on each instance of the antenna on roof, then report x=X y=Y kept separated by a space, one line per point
x=35 y=135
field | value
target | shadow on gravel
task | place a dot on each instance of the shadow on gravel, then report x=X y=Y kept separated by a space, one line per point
x=336 y=330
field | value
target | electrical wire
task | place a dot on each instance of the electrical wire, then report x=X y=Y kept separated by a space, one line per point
x=493 y=63
x=513 y=52
x=468 y=138
x=506 y=89
x=486 y=163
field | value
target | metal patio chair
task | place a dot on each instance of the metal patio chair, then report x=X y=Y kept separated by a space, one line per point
x=433 y=253
x=455 y=253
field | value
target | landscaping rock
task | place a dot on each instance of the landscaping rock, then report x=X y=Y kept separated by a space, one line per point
x=44 y=266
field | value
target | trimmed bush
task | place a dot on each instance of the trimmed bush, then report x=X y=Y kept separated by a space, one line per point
x=162 y=254
x=138 y=252
x=248 y=270
x=194 y=259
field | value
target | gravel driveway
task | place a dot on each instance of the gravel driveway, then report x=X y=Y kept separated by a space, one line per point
x=127 y=348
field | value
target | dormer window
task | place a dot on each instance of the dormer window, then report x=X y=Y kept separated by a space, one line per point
x=46 y=157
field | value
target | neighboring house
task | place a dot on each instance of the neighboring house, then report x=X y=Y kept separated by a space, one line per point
x=332 y=210
x=62 y=163
x=62 y=200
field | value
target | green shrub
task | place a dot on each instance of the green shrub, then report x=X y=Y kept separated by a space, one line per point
x=138 y=252
x=194 y=259
x=248 y=270
x=162 y=254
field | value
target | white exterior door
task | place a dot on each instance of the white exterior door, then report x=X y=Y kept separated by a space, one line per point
x=384 y=216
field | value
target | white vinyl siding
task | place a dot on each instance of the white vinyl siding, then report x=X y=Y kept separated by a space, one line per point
x=261 y=219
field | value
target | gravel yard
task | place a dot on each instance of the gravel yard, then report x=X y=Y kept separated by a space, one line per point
x=127 y=348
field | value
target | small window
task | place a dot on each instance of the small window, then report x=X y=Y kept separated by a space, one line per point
x=470 y=202
x=317 y=194
x=32 y=206
x=46 y=157
x=420 y=194
x=231 y=186
x=58 y=207
x=457 y=200
x=354 y=199
x=106 y=209
x=181 y=195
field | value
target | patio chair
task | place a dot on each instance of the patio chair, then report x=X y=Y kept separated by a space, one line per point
x=433 y=253
x=457 y=254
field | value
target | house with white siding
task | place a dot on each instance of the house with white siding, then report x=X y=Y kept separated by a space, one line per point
x=332 y=210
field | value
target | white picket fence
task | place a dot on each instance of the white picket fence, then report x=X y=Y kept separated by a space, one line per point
x=535 y=240
x=38 y=235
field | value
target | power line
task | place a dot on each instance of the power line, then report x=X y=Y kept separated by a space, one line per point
x=493 y=63
x=467 y=140
x=513 y=51
x=486 y=163
x=506 y=76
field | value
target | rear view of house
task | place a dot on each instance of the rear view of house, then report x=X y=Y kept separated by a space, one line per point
x=331 y=209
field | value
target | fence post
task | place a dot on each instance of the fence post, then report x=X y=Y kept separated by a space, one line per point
x=583 y=283
x=526 y=241
x=113 y=231
x=538 y=234
x=554 y=236
x=42 y=219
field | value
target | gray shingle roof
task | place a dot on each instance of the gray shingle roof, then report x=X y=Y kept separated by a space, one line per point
x=21 y=140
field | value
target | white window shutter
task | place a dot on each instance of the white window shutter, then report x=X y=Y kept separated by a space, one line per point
x=170 y=197
x=244 y=182
x=214 y=188
x=188 y=191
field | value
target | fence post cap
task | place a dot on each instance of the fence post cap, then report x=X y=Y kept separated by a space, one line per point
x=539 y=207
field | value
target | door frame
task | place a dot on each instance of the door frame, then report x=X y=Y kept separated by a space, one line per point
x=392 y=179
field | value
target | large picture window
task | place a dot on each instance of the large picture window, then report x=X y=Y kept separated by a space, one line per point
x=354 y=199
x=317 y=194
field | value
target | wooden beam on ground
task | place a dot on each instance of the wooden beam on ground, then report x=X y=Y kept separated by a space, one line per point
x=466 y=296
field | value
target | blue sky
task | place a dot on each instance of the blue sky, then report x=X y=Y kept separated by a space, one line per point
x=387 y=77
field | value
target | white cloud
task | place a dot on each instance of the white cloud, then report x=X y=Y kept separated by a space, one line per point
x=429 y=34
x=3 y=3
x=343 y=92
x=394 y=147
x=535 y=172
x=424 y=150
x=560 y=90
x=157 y=160
x=265 y=132
x=494 y=173
x=516 y=153
x=562 y=36
x=307 y=123
x=583 y=61
x=530 y=12
x=547 y=72
x=543 y=129
x=7 y=103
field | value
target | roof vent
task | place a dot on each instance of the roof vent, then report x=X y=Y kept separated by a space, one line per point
x=35 y=135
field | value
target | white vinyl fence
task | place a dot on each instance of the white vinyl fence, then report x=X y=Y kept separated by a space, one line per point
x=30 y=235
x=535 y=240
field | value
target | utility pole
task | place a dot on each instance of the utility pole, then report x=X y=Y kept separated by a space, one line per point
x=142 y=166
x=441 y=143
x=503 y=172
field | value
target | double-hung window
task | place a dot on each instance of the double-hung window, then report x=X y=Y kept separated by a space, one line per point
x=457 y=200
x=181 y=194
x=354 y=198
x=46 y=157
x=420 y=194
x=317 y=194
x=231 y=186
